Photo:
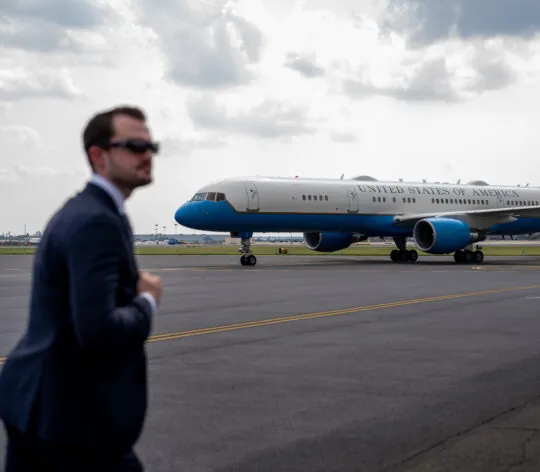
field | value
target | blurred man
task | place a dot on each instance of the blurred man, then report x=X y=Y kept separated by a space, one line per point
x=73 y=392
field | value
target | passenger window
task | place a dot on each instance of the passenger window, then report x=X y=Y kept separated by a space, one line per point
x=326 y=197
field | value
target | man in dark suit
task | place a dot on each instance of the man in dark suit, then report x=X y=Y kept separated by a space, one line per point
x=73 y=392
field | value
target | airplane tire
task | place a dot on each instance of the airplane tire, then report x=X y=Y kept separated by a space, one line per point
x=479 y=257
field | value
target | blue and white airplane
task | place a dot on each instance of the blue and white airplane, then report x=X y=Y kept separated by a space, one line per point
x=333 y=214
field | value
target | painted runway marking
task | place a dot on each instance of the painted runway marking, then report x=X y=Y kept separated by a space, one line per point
x=311 y=267
x=310 y=316
x=323 y=314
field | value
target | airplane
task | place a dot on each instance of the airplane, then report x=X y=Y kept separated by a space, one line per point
x=332 y=214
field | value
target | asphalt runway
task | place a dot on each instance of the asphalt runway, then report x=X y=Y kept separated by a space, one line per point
x=323 y=363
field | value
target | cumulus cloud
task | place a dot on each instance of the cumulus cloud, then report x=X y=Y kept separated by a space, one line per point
x=47 y=26
x=429 y=21
x=17 y=83
x=182 y=146
x=205 y=43
x=268 y=119
x=450 y=71
x=21 y=173
x=305 y=64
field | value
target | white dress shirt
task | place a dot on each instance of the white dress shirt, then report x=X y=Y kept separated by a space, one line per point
x=118 y=198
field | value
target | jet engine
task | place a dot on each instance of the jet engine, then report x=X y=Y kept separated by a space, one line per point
x=443 y=235
x=330 y=242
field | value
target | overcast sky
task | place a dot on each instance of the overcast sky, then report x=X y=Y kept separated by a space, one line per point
x=428 y=89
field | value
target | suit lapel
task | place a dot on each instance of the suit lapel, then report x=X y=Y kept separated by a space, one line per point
x=107 y=200
x=128 y=231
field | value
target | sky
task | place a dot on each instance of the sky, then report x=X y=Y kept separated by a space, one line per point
x=414 y=89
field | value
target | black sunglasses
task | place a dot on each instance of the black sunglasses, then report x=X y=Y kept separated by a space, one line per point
x=137 y=146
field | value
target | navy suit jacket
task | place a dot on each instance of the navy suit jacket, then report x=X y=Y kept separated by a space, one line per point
x=78 y=375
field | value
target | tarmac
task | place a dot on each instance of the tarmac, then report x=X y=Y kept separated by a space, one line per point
x=333 y=363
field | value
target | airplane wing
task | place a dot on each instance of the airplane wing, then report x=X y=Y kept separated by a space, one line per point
x=477 y=219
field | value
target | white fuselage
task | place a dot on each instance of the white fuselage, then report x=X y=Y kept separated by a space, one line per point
x=272 y=204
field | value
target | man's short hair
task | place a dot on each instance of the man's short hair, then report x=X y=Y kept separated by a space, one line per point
x=99 y=130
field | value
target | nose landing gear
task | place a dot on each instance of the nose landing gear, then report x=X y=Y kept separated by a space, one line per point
x=247 y=258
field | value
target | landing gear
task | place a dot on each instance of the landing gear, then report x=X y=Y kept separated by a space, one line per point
x=468 y=256
x=247 y=259
x=250 y=260
x=402 y=254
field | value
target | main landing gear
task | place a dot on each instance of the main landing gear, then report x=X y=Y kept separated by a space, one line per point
x=402 y=254
x=468 y=256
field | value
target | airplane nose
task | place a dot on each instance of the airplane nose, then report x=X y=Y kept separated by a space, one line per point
x=184 y=215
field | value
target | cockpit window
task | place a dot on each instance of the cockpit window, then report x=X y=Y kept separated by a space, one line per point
x=210 y=196
x=199 y=197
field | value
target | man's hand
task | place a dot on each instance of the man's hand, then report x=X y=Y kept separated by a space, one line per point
x=150 y=283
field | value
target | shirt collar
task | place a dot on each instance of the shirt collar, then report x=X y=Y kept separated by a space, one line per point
x=111 y=189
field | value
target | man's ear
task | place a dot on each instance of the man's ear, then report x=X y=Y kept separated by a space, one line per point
x=96 y=156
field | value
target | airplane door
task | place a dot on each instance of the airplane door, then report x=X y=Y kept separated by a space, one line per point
x=353 y=199
x=252 y=196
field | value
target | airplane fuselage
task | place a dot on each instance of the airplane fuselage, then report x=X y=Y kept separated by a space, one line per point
x=267 y=204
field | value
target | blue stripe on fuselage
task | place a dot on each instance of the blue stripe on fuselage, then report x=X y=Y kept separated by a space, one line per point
x=220 y=216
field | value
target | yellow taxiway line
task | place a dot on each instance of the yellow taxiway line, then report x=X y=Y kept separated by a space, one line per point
x=324 y=314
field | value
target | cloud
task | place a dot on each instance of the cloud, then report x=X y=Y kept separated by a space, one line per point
x=47 y=26
x=205 y=43
x=20 y=135
x=183 y=146
x=449 y=72
x=268 y=119
x=17 y=83
x=304 y=64
x=21 y=173
x=343 y=137
x=429 y=21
